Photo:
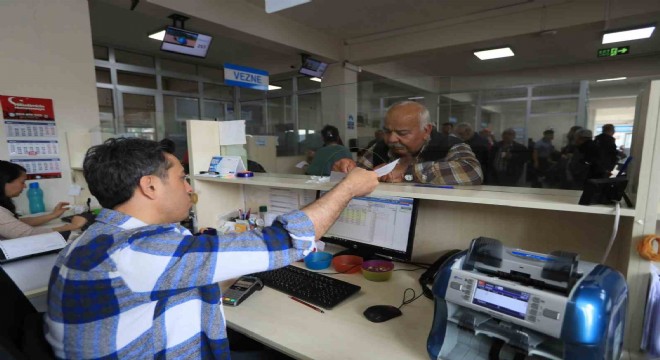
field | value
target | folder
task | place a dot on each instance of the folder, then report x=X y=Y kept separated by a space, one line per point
x=20 y=248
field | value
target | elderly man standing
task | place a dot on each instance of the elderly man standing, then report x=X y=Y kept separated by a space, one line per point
x=425 y=155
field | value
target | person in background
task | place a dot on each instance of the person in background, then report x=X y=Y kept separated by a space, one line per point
x=507 y=160
x=586 y=163
x=136 y=284
x=12 y=183
x=606 y=143
x=447 y=128
x=478 y=144
x=378 y=136
x=488 y=135
x=542 y=157
x=425 y=155
x=333 y=149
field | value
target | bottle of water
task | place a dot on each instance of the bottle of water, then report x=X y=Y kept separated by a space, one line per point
x=36 y=197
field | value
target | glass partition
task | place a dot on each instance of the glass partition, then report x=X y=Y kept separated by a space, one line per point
x=539 y=112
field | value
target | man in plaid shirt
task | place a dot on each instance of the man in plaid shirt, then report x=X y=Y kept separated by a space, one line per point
x=138 y=285
x=425 y=155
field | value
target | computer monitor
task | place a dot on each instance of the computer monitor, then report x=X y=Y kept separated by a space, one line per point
x=376 y=226
x=185 y=42
x=312 y=67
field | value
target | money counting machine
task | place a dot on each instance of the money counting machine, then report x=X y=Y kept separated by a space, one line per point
x=495 y=302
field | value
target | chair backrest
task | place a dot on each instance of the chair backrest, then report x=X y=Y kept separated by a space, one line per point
x=21 y=325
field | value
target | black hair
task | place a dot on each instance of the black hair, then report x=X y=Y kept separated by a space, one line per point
x=8 y=173
x=549 y=131
x=113 y=169
x=168 y=145
x=331 y=134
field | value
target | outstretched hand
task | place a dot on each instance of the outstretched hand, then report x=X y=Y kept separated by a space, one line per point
x=59 y=209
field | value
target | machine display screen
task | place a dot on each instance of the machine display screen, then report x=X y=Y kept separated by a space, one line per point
x=501 y=299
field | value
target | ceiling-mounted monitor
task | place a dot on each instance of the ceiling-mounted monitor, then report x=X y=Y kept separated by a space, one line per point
x=185 y=42
x=312 y=67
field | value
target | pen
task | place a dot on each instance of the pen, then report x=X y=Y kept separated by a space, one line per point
x=306 y=304
x=435 y=186
x=247 y=214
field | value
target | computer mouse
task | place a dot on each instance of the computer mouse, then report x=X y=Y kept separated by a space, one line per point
x=380 y=313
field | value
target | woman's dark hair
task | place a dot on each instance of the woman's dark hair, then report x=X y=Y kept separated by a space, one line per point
x=331 y=134
x=113 y=169
x=8 y=173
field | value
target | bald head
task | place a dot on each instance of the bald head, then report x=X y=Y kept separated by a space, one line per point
x=407 y=127
x=410 y=110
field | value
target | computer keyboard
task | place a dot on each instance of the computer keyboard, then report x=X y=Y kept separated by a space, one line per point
x=314 y=288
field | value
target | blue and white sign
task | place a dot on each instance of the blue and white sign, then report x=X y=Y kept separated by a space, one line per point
x=246 y=77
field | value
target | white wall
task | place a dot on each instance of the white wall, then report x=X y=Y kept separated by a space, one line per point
x=47 y=53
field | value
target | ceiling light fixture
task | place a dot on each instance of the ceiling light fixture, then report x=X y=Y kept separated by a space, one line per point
x=612 y=79
x=494 y=53
x=627 y=35
x=315 y=79
x=159 y=35
x=277 y=5
x=416 y=98
x=273 y=87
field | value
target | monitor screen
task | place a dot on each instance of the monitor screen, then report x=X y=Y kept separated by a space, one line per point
x=501 y=299
x=185 y=42
x=313 y=67
x=383 y=226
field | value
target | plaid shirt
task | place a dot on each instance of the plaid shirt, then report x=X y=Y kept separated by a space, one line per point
x=459 y=167
x=128 y=290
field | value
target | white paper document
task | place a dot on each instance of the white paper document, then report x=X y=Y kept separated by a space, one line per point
x=282 y=201
x=30 y=245
x=382 y=171
x=232 y=132
x=224 y=165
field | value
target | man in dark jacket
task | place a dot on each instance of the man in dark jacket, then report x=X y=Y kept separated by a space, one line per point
x=587 y=162
x=607 y=147
x=507 y=160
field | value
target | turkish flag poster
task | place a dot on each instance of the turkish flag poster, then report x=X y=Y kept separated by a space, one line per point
x=26 y=108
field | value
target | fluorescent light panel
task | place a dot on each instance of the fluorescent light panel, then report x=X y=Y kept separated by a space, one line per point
x=277 y=5
x=160 y=35
x=494 y=53
x=612 y=79
x=627 y=35
x=315 y=79
x=416 y=98
x=273 y=87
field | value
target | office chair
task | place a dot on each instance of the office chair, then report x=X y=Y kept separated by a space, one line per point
x=21 y=325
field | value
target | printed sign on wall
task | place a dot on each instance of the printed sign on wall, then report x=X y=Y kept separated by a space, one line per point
x=26 y=108
x=246 y=77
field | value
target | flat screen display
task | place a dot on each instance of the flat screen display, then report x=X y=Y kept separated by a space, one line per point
x=185 y=42
x=383 y=225
x=501 y=299
x=313 y=67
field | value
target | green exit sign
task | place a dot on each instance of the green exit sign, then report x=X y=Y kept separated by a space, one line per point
x=615 y=51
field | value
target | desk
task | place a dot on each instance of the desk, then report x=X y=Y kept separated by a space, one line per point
x=272 y=318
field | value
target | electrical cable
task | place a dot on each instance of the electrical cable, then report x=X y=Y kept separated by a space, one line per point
x=646 y=248
x=409 y=301
x=615 y=229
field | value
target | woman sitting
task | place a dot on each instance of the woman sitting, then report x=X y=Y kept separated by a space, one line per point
x=12 y=183
x=333 y=149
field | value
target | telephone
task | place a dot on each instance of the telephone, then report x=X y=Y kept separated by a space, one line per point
x=428 y=277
